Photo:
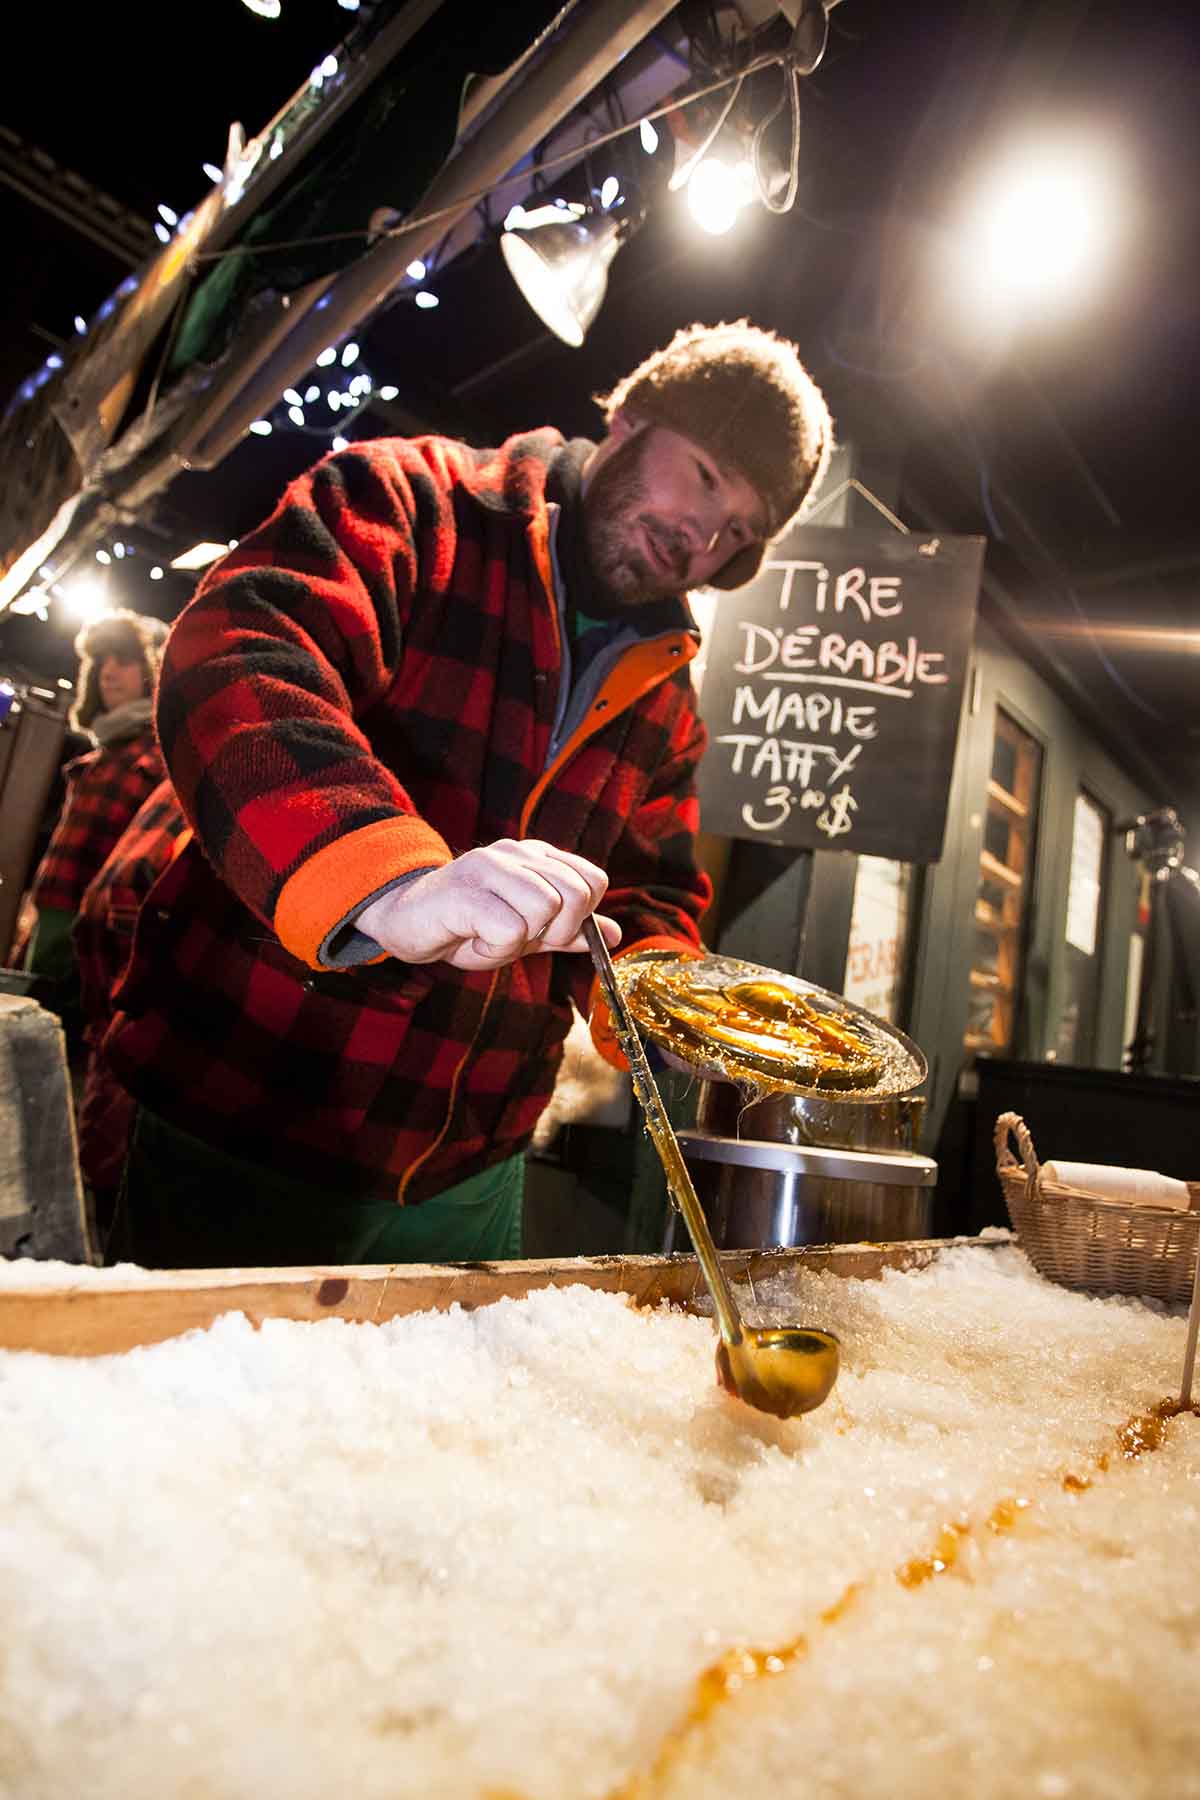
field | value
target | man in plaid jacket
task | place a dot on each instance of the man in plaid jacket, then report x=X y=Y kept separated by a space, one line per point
x=422 y=722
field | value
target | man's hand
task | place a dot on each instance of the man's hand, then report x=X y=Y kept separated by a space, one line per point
x=490 y=906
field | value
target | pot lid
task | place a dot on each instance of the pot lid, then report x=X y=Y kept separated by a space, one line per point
x=738 y=1021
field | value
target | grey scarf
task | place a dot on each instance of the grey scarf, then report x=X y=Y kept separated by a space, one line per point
x=122 y=722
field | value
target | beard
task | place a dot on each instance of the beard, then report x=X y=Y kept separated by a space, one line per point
x=616 y=513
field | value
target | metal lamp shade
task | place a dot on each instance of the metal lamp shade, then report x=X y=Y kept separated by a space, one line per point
x=562 y=270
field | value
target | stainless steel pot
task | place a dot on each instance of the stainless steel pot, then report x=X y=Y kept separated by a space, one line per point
x=801 y=1164
x=843 y=1122
x=766 y=1195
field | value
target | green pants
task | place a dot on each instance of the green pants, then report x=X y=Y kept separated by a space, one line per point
x=185 y=1205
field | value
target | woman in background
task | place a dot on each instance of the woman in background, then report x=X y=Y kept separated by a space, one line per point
x=119 y=658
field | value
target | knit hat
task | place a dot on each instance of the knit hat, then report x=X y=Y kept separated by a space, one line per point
x=131 y=636
x=743 y=395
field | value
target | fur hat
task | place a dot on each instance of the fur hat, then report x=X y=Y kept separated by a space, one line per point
x=131 y=636
x=744 y=395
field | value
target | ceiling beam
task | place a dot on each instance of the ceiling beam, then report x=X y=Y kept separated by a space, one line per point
x=86 y=209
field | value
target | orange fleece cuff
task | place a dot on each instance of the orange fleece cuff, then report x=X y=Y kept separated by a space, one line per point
x=345 y=874
x=600 y=1022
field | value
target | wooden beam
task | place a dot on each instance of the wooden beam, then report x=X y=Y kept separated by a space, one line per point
x=102 y=1312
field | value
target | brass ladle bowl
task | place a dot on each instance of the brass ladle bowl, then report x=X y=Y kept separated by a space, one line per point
x=780 y=1369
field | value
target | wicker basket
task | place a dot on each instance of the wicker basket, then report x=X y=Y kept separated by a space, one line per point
x=1082 y=1242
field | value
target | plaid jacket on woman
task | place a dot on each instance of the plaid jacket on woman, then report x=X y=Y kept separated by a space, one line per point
x=104 y=790
x=367 y=686
x=102 y=937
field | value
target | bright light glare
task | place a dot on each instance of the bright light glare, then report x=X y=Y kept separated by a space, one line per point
x=416 y=270
x=714 y=195
x=426 y=299
x=85 y=600
x=609 y=191
x=1042 y=228
x=648 y=136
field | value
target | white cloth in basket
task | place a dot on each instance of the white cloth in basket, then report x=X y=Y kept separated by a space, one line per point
x=1123 y=1187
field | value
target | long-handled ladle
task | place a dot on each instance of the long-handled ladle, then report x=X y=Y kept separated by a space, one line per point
x=780 y=1369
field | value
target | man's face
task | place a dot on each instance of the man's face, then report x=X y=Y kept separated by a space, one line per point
x=120 y=681
x=661 y=515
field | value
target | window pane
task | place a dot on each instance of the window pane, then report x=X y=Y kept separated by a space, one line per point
x=878 y=934
x=1004 y=763
x=1075 y=1040
x=1002 y=896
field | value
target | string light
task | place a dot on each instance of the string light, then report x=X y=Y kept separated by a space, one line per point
x=343 y=397
x=83 y=600
x=241 y=165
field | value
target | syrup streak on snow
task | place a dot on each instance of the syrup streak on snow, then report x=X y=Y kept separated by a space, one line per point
x=738 y=1669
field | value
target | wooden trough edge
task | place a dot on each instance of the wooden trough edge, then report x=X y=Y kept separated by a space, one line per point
x=98 y=1314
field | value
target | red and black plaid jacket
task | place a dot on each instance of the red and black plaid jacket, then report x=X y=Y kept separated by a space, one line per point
x=104 y=790
x=366 y=686
x=102 y=937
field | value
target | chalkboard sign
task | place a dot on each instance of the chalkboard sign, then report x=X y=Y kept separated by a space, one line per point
x=831 y=691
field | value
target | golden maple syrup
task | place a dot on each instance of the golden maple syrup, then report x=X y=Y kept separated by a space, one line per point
x=758 y=1032
x=739 y=1669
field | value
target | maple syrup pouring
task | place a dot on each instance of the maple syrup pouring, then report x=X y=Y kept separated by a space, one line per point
x=780 y=1369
